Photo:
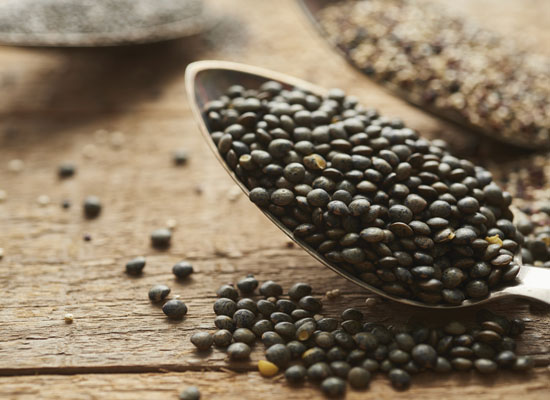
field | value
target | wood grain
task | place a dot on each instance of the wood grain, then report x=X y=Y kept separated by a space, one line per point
x=234 y=386
x=52 y=104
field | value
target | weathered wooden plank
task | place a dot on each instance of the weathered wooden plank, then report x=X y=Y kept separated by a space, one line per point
x=227 y=385
x=116 y=326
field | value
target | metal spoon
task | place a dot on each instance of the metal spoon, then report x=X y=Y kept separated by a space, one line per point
x=208 y=80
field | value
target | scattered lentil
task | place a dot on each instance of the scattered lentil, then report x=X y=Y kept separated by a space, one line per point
x=174 y=309
x=191 y=393
x=92 y=207
x=66 y=170
x=182 y=269
x=158 y=293
x=180 y=157
x=160 y=238
x=135 y=266
x=323 y=346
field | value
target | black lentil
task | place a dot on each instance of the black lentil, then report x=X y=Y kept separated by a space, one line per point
x=66 y=170
x=182 y=269
x=247 y=304
x=271 y=289
x=266 y=307
x=424 y=355
x=238 y=351
x=158 y=293
x=191 y=393
x=318 y=371
x=299 y=290
x=243 y=318
x=296 y=374
x=225 y=306
x=278 y=354
x=222 y=338
x=224 y=322
x=313 y=355
x=333 y=386
x=174 y=309
x=310 y=303
x=244 y=335
x=160 y=238
x=399 y=378
x=92 y=207
x=228 y=291
x=135 y=266
x=296 y=348
x=271 y=338
x=286 y=330
x=247 y=285
x=180 y=157
x=202 y=340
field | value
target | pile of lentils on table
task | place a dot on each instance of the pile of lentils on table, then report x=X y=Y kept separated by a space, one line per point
x=447 y=63
x=326 y=351
x=368 y=194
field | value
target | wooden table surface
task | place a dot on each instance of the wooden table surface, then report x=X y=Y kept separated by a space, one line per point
x=64 y=105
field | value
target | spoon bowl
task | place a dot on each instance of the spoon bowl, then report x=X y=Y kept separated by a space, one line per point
x=208 y=80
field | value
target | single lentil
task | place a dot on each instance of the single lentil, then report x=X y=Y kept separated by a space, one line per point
x=222 y=338
x=160 y=238
x=182 y=269
x=202 y=340
x=239 y=351
x=66 y=170
x=158 y=293
x=191 y=393
x=135 y=266
x=174 y=309
x=92 y=207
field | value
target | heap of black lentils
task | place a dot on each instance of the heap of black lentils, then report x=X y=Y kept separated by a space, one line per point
x=327 y=351
x=371 y=196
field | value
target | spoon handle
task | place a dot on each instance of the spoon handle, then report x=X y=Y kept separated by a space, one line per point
x=534 y=284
